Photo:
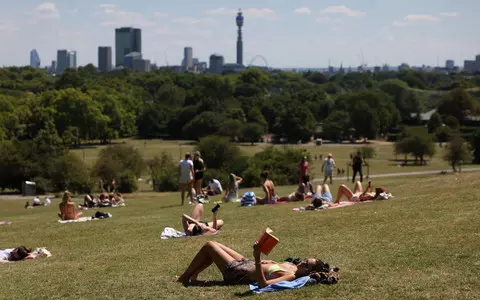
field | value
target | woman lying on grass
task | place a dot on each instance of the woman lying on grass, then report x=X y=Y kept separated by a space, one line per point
x=193 y=226
x=236 y=269
x=358 y=193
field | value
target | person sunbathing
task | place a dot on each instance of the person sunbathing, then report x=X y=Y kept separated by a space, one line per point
x=231 y=191
x=16 y=254
x=269 y=189
x=358 y=193
x=68 y=211
x=236 y=269
x=193 y=226
x=298 y=195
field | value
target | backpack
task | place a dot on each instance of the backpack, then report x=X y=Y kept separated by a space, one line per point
x=248 y=199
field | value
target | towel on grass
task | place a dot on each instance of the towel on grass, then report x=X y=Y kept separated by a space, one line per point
x=79 y=220
x=5 y=222
x=280 y=286
x=170 y=233
x=41 y=252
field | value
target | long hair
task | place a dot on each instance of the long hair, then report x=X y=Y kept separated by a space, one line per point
x=66 y=197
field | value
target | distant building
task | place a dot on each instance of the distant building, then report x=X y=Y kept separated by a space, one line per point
x=200 y=67
x=53 y=67
x=239 y=20
x=129 y=58
x=233 y=68
x=34 y=59
x=449 y=64
x=216 y=64
x=188 y=58
x=472 y=66
x=141 y=65
x=72 y=59
x=62 y=61
x=105 y=59
x=127 y=40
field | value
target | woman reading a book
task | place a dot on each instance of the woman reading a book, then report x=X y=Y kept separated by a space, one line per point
x=269 y=189
x=193 y=226
x=236 y=269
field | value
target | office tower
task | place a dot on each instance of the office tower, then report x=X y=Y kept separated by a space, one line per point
x=129 y=58
x=53 y=67
x=105 y=59
x=72 y=59
x=188 y=58
x=34 y=59
x=127 y=40
x=216 y=64
x=239 y=20
x=62 y=61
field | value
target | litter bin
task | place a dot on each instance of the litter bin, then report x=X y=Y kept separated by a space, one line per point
x=29 y=188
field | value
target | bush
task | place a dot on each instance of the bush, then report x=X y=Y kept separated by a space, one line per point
x=452 y=122
x=218 y=153
x=282 y=164
x=70 y=172
x=120 y=161
x=43 y=185
x=164 y=173
x=457 y=151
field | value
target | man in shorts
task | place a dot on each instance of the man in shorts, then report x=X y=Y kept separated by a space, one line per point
x=185 y=174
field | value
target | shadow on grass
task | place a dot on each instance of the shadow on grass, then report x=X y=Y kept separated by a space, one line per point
x=218 y=283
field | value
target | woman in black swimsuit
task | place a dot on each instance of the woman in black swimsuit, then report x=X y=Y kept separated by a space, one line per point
x=199 y=169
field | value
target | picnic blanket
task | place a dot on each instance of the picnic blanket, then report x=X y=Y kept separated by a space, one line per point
x=5 y=222
x=281 y=286
x=171 y=233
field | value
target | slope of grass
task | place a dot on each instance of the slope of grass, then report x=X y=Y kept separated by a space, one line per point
x=423 y=244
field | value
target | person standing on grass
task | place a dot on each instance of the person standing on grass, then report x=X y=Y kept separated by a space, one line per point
x=199 y=170
x=185 y=174
x=357 y=163
x=328 y=167
x=302 y=171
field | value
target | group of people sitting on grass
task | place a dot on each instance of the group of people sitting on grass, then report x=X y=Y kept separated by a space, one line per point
x=104 y=199
x=37 y=202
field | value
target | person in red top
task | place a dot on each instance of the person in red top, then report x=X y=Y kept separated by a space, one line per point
x=303 y=171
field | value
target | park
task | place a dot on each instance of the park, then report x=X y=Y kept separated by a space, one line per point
x=417 y=133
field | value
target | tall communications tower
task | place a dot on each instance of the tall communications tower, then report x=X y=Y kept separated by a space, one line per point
x=239 y=20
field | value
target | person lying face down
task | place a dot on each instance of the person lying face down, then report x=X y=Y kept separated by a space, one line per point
x=236 y=269
x=193 y=226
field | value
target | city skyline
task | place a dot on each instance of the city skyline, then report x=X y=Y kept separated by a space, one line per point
x=289 y=34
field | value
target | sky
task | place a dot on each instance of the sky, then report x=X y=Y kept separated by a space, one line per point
x=280 y=33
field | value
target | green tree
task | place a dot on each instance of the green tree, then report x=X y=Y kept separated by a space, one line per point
x=452 y=122
x=202 y=125
x=252 y=132
x=337 y=126
x=218 y=152
x=163 y=172
x=435 y=122
x=418 y=144
x=296 y=123
x=475 y=143
x=457 y=152
x=457 y=103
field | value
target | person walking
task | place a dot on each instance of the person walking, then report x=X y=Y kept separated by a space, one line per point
x=185 y=174
x=357 y=163
x=328 y=167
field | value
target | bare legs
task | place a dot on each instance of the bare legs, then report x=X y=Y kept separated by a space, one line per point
x=328 y=175
x=324 y=188
x=211 y=252
x=185 y=186
x=198 y=186
x=343 y=190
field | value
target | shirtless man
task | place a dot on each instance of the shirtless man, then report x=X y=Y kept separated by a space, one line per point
x=68 y=211
x=269 y=189
x=358 y=194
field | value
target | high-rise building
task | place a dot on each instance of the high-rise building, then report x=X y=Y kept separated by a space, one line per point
x=34 y=59
x=65 y=59
x=239 y=21
x=62 y=61
x=141 y=65
x=72 y=59
x=216 y=64
x=188 y=58
x=449 y=64
x=127 y=40
x=105 y=59
x=53 y=67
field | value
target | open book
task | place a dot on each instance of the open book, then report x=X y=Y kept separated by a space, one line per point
x=267 y=241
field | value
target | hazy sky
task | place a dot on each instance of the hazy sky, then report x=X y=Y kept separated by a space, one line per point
x=288 y=33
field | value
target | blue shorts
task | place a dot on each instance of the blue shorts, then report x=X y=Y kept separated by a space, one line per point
x=326 y=197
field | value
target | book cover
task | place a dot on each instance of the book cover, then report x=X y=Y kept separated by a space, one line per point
x=267 y=241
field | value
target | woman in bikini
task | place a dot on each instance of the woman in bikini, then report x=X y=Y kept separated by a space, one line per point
x=236 y=269
x=269 y=189
x=193 y=226
x=358 y=194
x=68 y=211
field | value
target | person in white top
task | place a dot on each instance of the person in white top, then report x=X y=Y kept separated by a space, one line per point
x=214 y=187
x=328 y=167
x=36 y=201
x=185 y=174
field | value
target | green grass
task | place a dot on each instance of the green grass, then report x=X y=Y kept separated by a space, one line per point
x=423 y=244
x=382 y=164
